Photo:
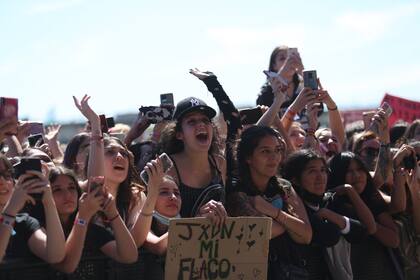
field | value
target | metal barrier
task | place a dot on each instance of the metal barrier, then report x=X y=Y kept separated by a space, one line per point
x=100 y=267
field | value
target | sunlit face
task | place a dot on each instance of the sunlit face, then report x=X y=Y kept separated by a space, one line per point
x=116 y=162
x=169 y=199
x=196 y=131
x=314 y=177
x=64 y=191
x=6 y=184
x=328 y=143
x=266 y=158
x=356 y=176
x=297 y=136
x=280 y=60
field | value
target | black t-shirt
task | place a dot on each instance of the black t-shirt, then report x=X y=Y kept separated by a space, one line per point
x=96 y=237
x=25 y=226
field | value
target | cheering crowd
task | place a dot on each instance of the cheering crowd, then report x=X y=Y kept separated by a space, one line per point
x=344 y=204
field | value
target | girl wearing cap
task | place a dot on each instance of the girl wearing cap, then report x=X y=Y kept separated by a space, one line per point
x=191 y=142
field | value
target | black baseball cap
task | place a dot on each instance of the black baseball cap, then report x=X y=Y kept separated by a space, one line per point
x=192 y=104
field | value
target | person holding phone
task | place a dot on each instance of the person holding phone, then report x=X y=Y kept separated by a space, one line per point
x=163 y=202
x=109 y=157
x=76 y=211
x=20 y=234
x=287 y=63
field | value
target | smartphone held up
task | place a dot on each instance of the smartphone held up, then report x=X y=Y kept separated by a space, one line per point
x=166 y=164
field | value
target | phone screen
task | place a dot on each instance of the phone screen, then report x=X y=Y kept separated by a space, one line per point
x=250 y=116
x=310 y=79
x=167 y=99
x=8 y=107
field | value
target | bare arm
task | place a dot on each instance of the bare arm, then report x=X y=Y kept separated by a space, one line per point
x=51 y=138
x=240 y=205
x=48 y=244
x=96 y=148
x=334 y=117
x=155 y=244
x=387 y=232
x=296 y=224
x=279 y=97
x=123 y=249
x=89 y=204
x=142 y=226
x=384 y=164
x=414 y=188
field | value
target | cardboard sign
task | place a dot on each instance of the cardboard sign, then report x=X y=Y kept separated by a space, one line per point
x=403 y=109
x=197 y=249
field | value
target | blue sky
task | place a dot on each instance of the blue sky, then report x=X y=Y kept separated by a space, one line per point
x=125 y=53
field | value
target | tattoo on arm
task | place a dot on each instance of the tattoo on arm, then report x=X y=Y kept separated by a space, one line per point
x=384 y=161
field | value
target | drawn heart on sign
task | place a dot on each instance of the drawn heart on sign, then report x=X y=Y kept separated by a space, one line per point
x=250 y=244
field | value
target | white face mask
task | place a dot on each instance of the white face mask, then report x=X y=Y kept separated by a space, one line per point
x=163 y=219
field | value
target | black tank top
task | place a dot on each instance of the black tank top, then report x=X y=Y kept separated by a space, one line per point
x=189 y=195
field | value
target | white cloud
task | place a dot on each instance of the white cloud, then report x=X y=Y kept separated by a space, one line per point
x=372 y=25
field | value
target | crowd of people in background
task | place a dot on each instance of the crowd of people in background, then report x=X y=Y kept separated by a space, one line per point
x=344 y=204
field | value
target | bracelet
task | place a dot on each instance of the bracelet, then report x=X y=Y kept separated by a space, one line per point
x=113 y=218
x=8 y=215
x=96 y=137
x=278 y=214
x=80 y=222
x=291 y=112
x=385 y=145
x=332 y=109
x=146 y=214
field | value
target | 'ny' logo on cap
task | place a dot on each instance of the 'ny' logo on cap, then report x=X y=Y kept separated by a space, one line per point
x=194 y=102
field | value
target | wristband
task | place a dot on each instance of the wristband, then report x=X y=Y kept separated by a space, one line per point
x=346 y=229
x=9 y=223
x=80 y=222
x=332 y=109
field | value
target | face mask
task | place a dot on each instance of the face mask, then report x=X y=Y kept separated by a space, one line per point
x=163 y=219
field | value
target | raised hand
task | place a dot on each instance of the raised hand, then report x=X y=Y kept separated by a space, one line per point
x=154 y=170
x=85 y=109
x=305 y=97
x=200 y=74
x=52 y=132
x=90 y=203
x=213 y=210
